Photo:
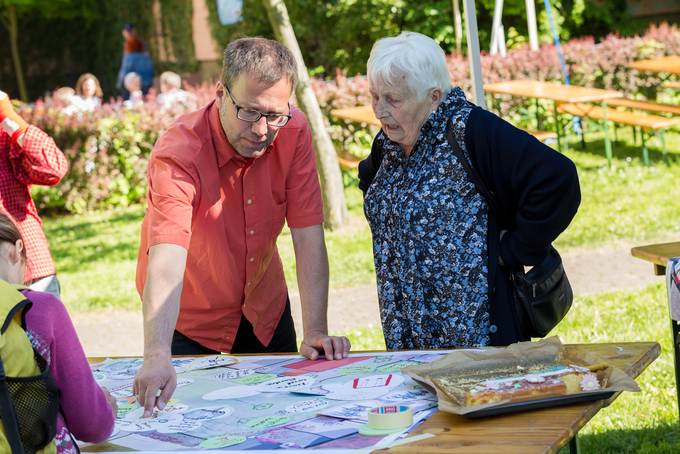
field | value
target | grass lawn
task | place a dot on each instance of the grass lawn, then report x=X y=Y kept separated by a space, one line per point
x=96 y=253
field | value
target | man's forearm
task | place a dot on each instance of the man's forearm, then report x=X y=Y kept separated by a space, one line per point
x=161 y=298
x=312 y=274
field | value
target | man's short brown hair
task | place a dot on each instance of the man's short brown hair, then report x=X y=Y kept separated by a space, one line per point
x=266 y=60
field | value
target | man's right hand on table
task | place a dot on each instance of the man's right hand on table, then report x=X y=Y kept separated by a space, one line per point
x=156 y=374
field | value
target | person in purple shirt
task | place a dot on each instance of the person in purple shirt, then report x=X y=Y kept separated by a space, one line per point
x=89 y=409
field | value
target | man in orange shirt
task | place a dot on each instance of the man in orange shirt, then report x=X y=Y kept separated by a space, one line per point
x=222 y=182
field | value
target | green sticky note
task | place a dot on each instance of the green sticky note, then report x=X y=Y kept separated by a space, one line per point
x=222 y=441
x=266 y=421
x=125 y=407
x=254 y=379
x=396 y=367
x=356 y=370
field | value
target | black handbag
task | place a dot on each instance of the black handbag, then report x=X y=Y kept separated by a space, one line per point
x=543 y=295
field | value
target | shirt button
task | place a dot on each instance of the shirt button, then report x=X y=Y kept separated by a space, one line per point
x=249 y=201
x=252 y=232
x=493 y=329
x=252 y=259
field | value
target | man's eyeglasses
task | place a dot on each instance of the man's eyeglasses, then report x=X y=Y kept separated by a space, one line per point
x=251 y=115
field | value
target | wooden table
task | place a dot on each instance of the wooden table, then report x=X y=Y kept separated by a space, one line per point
x=658 y=255
x=538 y=431
x=669 y=65
x=557 y=93
x=360 y=114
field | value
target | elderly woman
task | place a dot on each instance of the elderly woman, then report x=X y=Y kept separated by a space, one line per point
x=442 y=257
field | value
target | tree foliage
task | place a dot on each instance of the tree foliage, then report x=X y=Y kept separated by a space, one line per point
x=340 y=33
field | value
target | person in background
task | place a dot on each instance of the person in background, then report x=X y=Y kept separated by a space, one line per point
x=88 y=93
x=135 y=59
x=28 y=156
x=133 y=85
x=62 y=97
x=87 y=411
x=172 y=97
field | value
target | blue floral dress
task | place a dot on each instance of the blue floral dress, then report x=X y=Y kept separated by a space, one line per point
x=429 y=226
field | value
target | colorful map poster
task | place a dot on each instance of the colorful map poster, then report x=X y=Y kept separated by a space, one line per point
x=266 y=402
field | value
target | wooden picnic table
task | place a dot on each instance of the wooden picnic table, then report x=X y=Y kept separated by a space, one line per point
x=360 y=114
x=537 y=431
x=557 y=93
x=658 y=255
x=668 y=64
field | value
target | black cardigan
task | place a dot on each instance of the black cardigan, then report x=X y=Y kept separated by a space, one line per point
x=537 y=190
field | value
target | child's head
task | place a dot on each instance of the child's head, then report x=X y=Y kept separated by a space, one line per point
x=88 y=86
x=12 y=252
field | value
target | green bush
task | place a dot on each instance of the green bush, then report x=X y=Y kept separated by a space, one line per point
x=339 y=34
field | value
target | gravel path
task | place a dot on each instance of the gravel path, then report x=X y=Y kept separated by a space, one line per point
x=590 y=271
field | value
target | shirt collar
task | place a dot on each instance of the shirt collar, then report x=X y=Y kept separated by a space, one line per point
x=223 y=149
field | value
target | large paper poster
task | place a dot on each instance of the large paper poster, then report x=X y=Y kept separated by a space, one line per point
x=266 y=402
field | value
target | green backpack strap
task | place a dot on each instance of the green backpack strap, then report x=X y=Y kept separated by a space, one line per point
x=12 y=302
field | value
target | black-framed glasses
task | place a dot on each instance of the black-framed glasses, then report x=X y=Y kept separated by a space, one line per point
x=251 y=115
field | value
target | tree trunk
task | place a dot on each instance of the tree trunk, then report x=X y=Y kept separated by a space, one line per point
x=16 y=58
x=335 y=210
x=458 y=26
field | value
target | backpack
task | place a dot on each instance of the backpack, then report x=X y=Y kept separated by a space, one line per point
x=29 y=397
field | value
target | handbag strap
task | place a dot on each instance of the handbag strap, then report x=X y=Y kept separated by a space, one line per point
x=473 y=174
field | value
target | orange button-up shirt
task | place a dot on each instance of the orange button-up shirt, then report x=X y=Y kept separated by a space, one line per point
x=228 y=211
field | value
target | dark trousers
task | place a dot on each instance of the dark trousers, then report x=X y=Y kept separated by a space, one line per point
x=283 y=341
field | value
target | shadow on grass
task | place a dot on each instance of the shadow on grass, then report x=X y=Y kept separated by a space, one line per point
x=625 y=149
x=660 y=439
x=87 y=228
x=107 y=237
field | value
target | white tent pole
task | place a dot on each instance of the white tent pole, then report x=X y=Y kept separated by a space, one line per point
x=531 y=24
x=496 y=34
x=473 y=52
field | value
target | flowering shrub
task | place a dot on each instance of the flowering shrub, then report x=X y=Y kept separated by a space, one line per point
x=107 y=151
x=601 y=65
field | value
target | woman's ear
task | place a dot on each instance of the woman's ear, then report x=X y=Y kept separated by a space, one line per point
x=436 y=95
x=219 y=90
x=14 y=251
x=19 y=248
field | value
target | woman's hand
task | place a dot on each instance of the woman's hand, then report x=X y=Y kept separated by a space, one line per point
x=112 y=401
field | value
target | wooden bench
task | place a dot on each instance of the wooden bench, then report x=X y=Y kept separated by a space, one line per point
x=674 y=84
x=648 y=123
x=542 y=135
x=645 y=105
